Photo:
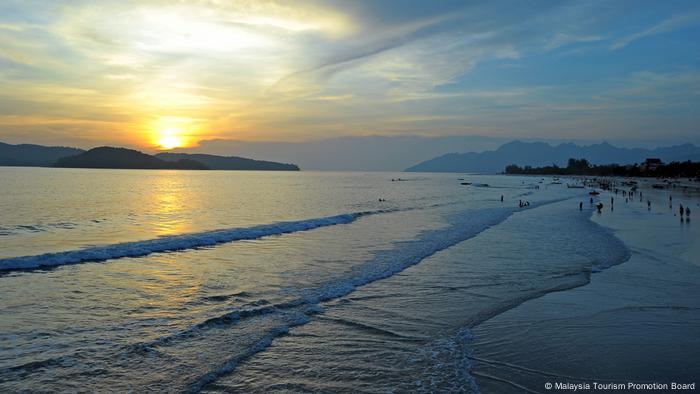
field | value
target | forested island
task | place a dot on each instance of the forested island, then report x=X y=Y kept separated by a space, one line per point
x=29 y=155
x=650 y=168
x=122 y=158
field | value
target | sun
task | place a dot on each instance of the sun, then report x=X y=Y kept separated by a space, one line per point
x=170 y=142
x=170 y=138
x=168 y=132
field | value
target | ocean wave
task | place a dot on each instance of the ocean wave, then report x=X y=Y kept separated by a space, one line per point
x=230 y=365
x=176 y=242
x=384 y=264
x=35 y=228
x=614 y=253
x=444 y=365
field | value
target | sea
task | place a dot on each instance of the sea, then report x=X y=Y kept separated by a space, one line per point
x=223 y=281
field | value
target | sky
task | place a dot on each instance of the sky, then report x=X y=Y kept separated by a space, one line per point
x=154 y=74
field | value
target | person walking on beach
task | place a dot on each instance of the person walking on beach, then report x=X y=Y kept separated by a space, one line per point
x=580 y=206
x=612 y=200
x=687 y=213
x=649 y=205
x=591 y=200
x=501 y=197
x=682 y=211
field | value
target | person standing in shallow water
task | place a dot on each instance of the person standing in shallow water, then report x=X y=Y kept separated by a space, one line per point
x=501 y=197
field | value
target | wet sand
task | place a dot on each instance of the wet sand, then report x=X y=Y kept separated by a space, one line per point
x=635 y=322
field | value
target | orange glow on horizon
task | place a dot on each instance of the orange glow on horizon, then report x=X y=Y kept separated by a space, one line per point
x=172 y=132
x=170 y=142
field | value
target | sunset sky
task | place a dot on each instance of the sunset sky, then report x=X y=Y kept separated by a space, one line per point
x=160 y=74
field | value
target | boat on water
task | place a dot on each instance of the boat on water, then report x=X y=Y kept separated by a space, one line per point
x=466 y=183
x=594 y=193
x=571 y=186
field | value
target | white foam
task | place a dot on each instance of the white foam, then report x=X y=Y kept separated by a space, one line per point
x=174 y=243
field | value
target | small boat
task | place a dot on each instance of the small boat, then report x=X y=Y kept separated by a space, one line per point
x=466 y=183
x=594 y=193
x=570 y=186
x=555 y=183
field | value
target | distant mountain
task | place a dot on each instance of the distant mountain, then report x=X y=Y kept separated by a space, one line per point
x=109 y=157
x=228 y=162
x=29 y=155
x=350 y=153
x=539 y=154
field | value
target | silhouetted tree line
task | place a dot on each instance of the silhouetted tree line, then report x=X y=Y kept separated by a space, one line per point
x=686 y=169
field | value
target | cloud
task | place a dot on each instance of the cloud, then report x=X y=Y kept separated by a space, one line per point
x=671 y=24
x=294 y=71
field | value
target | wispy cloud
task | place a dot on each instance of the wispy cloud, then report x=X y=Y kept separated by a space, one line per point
x=668 y=25
x=294 y=71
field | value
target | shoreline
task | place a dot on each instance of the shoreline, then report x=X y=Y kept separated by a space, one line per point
x=633 y=322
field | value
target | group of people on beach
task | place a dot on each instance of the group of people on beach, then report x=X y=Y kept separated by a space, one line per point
x=598 y=206
x=521 y=203
x=683 y=212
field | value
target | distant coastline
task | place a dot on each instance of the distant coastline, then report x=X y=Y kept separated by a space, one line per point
x=122 y=158
x=539 y=154
x=650 y=168
x=228 y=162
x=105 y=157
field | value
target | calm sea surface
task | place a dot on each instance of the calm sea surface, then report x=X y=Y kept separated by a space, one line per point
x=180 y=281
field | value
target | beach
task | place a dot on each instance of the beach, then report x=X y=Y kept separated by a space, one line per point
x=338 y=282
x=634 y=323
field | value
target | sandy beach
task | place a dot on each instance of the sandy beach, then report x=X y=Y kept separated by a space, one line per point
x=637 y=322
